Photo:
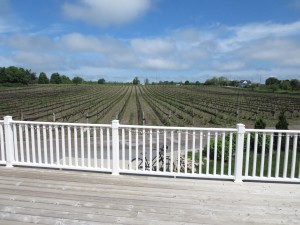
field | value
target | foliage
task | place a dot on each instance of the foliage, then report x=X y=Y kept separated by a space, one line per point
x=146 y=81
x=274 y=87
x=286 y=85
x=282 y=122
x=136 y=81
x=260 y=124
x=234 y=83
x=65 y=79
x=259 y=142
x=271 y=81
x=218 y=81
x=55 y=78
x=43 y=79
x=101 y=81
x=295 y=84
x=219 y=147
x=77 y=80
x=16 y=75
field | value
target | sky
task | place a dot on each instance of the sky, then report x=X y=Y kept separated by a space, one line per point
x=162 y=40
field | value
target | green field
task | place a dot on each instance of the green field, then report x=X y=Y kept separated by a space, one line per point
x=169 y=105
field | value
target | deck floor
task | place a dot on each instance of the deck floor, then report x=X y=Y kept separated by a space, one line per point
x=44 y=196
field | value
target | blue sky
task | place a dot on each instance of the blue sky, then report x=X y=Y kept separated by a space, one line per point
x=156 y=39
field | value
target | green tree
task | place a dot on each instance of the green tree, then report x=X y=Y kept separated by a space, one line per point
x=55 y=78
x=286 y=85
x=101 y=81
x=17 y=75
x=295 y=84
x=43 y=79
x=212 y=81
x=282 y=122
x=146 y=81
x=234 y=83
x=77 y=80
x=223 y=81
x=65 y=79
x=3 y=76
x=271 y=81
x=186 y=82
x=136 y=81
x=274 y=87
x=32 y=76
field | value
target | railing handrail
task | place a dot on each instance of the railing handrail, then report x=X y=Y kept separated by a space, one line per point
x=178 y=128
x=61 y=124
x=272 y=131
x=32 y=143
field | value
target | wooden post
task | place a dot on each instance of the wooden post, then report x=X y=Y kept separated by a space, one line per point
x=238 y=168
x=115 y=147
x=9 y=144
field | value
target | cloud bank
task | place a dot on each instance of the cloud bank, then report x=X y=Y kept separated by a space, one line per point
x=106 y=13
x=249 y=51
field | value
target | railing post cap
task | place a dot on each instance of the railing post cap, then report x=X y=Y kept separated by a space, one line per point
x=240 y=127
x=115 y=123
x=7 y=119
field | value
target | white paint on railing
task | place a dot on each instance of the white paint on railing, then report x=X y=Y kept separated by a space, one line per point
x=3 y=158
x=294 y=157
x=155 y=150
x=279 y=155
x=270 y=154
x=54 y=145
x=230 y=154
x=9 y=146
x=239 y=151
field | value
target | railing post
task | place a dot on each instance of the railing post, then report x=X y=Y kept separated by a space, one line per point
x=9 y=145
x=239 y=151
x=115 y=147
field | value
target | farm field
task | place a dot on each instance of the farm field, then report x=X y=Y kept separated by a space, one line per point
x=201 y=106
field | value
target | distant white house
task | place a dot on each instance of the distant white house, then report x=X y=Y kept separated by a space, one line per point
x=244 y=83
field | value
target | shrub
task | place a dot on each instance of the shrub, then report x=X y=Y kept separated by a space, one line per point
x=260 y=124
x=219 y=147
x=282 y=122
x=259 y=142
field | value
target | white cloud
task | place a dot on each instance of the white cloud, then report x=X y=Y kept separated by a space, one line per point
x=232 y=50
x=163 y=64
x=282 y=52
x=87 y=43
x=105 y=13
x=32 y=43
x=243 y=35
x=38 y=61
x=152 y=46
x=228 y=66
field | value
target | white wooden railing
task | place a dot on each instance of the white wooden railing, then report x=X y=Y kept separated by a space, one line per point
x=220 y=153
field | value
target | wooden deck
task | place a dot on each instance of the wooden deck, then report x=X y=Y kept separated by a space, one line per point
x=42 y=196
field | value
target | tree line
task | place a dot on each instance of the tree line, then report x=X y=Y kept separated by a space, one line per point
x=275 y=84
x=18 y=75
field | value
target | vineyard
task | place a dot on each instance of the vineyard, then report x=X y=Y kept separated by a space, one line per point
x=202 y=106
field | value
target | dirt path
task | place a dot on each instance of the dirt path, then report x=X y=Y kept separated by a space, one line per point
x=130 y=114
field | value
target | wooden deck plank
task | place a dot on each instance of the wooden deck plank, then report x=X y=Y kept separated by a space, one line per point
x=52 y=196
